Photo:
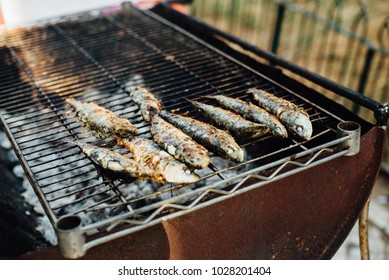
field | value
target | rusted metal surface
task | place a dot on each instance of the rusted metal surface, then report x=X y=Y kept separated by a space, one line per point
x=305 y=216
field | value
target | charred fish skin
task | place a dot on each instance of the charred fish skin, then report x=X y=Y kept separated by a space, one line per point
x=296 y=119
x=121 y=165
x=178 y=144
x=146 y=152
x=212 y=138
x=148 y=104
x=252 y=112
x=101 y=120
x=234 y=123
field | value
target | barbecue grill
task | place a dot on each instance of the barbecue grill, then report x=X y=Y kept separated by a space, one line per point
x=289 y=199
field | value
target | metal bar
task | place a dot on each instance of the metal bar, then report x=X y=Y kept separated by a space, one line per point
x=83 y=198
x=86 y=54
x=38 y=137
x=86 y=208
x=158 y=50
x=99 y=183
x=30 y=150
x=59 y=101
x=64 y=172
x=364 y=75
x=278 y=27
x=84 y=173
x=42 y=170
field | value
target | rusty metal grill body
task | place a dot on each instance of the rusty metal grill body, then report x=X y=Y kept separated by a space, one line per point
x=95 y=58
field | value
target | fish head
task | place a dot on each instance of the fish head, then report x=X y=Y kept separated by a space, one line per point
x=279 y=131
x=149 y=112
x=231 y=150
x=146 y=115
x=177 y=172
x=199 y=159
x=301 y=126
x=123 y=132
x=87 y=149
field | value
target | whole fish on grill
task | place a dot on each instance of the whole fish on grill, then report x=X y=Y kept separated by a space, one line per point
x=150 y=154
x=122 y=166
x=178 y=144
x=252 y=112
x=234 y=123
x=102 y=120
x=295 y=118
x=148 y=104
x=216 y=140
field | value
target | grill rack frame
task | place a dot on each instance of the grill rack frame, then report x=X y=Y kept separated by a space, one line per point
x=125 y=218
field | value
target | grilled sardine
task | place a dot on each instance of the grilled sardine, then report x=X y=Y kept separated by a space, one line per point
x=120 y=165
x=148 y=104
x=252 y=112
x=178 y=144
x=295 y=118
x=102 y=120
x=212 y=138
x=150 y=154
x=234 y=123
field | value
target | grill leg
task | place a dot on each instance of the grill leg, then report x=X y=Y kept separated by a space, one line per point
x=363 y=232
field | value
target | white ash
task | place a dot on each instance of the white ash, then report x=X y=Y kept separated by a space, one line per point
x=18 y=171
x=4 y=142
x=134 y=80
x=46 y=229
x=43 y=223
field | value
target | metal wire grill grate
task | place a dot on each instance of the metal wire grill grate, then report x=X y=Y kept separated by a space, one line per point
x=95 y=59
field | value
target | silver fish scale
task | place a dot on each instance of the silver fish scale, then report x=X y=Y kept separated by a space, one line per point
x=115 y=162
x=216 y=140
x=102 y=120
x=178 y=144
x=146 y=152
x=296 y=119
x=252 y=112
x=234 y=123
